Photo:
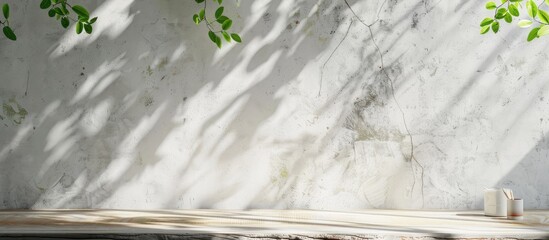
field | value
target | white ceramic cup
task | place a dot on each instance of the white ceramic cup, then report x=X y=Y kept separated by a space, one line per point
x=495 y=202
x=515 y=209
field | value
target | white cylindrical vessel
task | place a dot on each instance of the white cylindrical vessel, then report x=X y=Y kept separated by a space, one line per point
x=495 y=202
x=515 y=209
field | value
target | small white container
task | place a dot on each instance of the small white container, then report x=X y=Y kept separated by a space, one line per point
x=495 y=203
x=515 y=209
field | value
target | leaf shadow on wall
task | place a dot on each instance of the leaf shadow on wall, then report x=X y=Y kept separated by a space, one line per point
x=132 y=80
x=152 y=115
x=524 y=178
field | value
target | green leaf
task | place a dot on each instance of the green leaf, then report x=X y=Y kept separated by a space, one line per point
x=236 y=37
x=503 y=1
x=9 y=33
x=199 y=1
x=58 y=11
x=543 y=16
x=495 y=27
x=81 y=11
x=491 y=5
x=65 y=22
x=222 y=19
x=226 y=36
x=484 y=29
x=6 y=10
x=227 y=24
x=202 y=13
x=508 y=18
x=547 y=2
x=543 y=31
x=218 y=42
x=45 y=4
x=533 y=34
x=88 y=28
x=514 y=10
x=79 y=27
x=212 y=36
x=196 y=19
x=501 y=13
x=82 y=19
x=64 y=9
x=525 y=23
x=220 y=2
x=532 y=8
x=51 y=13
x=219 y=12
x=93 y=20
x=486 y=21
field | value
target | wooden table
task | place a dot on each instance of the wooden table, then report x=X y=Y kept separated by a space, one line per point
x=266 y=224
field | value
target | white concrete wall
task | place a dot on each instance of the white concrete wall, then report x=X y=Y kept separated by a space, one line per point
x=147 y=113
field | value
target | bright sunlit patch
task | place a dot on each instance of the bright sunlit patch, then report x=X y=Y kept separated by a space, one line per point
x=60 y=141
x=100 y=79
x=144 y=55
x=104 y=83
x=21 y=134
x=50 y=109
x=95 y=119
x=177 y=53
x=129 y=100
x=62 y=130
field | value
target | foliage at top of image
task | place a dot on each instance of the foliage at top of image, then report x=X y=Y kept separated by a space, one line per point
x=62 y=11
x=507 y=10
x=8 y=32
x=58 y=9
x=224 y=24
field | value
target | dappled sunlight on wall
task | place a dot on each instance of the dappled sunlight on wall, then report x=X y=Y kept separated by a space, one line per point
x=147 y=113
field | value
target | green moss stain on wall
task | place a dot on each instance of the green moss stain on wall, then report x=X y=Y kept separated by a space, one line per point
x=14 y=111
x=280 y=175
x=148 y=71
x=284 y=173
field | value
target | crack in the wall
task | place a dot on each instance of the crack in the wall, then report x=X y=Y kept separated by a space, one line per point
x=390 y=80
x=331 y=54
x=27 y=87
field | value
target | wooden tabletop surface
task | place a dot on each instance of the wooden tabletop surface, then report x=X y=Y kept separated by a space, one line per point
x=365 y=223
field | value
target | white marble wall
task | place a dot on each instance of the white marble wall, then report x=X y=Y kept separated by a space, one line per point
x=147 y=113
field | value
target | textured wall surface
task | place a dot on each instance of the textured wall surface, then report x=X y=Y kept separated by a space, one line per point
x=148 y=113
